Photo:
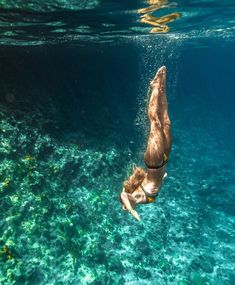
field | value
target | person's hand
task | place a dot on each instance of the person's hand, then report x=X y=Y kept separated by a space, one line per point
x=135 y=214
x=124 y=208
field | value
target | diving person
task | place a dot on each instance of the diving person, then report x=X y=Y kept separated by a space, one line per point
x=142 y=186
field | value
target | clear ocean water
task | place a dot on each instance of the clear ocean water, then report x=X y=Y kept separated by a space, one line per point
x=74 y=77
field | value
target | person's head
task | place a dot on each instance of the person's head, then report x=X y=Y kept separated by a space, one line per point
x=132 y=183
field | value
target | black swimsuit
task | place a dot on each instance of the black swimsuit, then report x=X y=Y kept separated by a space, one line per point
x=165 y=159
x=151 y=198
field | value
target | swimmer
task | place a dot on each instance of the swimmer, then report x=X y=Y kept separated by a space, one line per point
x=142 y=187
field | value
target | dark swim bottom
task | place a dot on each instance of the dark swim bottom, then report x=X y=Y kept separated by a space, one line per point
x=165 y=159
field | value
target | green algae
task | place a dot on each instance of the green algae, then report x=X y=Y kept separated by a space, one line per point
x=37 y=189
x=197 y=279
x=183 y=282
x=62 y=220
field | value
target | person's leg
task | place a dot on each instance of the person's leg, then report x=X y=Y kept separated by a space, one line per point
x=164 y=116
x=153 y=156
x=156 y=85
x=155 y=148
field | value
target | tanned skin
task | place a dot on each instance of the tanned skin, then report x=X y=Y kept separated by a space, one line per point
x=159 y=143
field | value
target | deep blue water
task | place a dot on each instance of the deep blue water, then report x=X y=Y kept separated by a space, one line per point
x=73 y=122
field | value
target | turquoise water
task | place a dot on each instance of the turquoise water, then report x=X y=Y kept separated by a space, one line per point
x=73 y=123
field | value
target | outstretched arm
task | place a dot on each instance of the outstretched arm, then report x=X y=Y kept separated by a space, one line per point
x=126 y=202
x=127 y=205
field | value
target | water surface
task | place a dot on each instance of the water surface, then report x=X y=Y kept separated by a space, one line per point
x=74 y=79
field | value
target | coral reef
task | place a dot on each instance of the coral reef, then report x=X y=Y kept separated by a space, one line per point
x=61 y=222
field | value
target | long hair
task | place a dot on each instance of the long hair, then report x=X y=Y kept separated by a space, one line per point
x=134 y=180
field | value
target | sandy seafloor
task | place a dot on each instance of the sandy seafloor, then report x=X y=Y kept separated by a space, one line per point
x=70 y=133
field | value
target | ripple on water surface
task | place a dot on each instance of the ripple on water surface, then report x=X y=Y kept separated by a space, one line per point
x=55 y=22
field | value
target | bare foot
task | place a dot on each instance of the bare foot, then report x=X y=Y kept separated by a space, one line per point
x=160 y=73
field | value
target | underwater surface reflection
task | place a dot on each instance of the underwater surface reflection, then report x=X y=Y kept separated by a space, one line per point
x=54 y=22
